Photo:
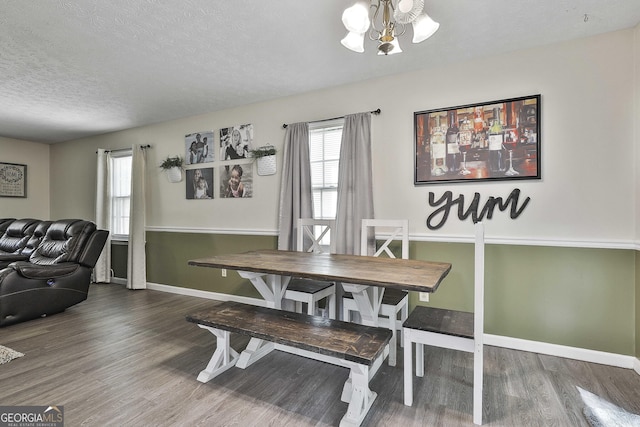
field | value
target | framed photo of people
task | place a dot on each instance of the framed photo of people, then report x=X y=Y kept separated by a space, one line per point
x=199 y=183
x=496 y=140
x=198 y=147
x=13 y=180
x=236 y=142
x=236 y=180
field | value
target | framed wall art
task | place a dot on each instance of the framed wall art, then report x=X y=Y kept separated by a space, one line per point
x=13 y=180
x=199 y=184
x=198 y=147
x=236 y=180
x=497 y=140
x=236 y=142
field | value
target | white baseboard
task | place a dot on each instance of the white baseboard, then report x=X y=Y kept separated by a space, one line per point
x=206 y=294
x=586 y=355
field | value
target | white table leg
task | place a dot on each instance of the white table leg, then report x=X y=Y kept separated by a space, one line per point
x=271 y=287
x=223 y=358
x=368 y=300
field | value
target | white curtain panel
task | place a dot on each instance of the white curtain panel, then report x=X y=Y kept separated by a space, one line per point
x=136 y=267
x=355 y=189
x=295 y=190
x=102 y=270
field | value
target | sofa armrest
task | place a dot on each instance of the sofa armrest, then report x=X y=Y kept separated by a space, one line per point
x=93 y=249
x=34 y=271
x=13 y=257
x=6 y=259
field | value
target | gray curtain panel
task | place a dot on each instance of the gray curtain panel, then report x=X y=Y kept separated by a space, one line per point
x=295 y=189
x=355 y=189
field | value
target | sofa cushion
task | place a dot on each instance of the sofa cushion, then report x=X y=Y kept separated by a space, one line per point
x=63 y=242
x=16 y=236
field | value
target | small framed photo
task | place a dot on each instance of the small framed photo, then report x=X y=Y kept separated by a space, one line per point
x=236 y=180
x=13 y=180
x=199 y=183
x=199 y=147
x=496 y=140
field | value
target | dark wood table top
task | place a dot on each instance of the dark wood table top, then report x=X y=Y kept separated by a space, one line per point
x=406 y=274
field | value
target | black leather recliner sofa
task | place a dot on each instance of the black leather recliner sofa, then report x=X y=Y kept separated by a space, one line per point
x=45 y=266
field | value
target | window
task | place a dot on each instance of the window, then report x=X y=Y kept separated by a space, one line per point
x=324 y=156
x=120 y=194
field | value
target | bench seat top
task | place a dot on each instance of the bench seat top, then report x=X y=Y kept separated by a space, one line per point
x=440 y=320
x=349 y=341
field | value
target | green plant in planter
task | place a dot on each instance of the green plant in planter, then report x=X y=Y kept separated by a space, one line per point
x=265 y=151
x=172 y=162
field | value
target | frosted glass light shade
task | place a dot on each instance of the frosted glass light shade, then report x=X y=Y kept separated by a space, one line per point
x=354 y=41
x=423 y=28
x=356 y=18
x=405 y=6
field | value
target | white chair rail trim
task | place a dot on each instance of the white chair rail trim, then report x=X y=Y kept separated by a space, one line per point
x=428 y=237
x=583 y=354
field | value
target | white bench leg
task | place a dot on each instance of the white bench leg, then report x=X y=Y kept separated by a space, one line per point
x=419 y=359
x=408 y=370
x=361 y=397
x=331 y=302
x=256 y=350
x=223 y=358
x=404 y=314
x=393 y=343
x=478 y=375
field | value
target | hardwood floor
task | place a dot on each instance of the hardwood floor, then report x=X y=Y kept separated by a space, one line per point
x=129 y=358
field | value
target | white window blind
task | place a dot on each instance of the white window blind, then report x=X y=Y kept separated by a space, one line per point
x=120 y=194
x=324 y=156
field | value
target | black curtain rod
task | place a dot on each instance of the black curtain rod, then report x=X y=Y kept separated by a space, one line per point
x=124 y=149
x=378 y=111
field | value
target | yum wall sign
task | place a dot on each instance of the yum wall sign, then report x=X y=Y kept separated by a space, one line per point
x=446 y=204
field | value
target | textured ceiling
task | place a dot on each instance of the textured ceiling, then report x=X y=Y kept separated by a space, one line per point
x=74 y=68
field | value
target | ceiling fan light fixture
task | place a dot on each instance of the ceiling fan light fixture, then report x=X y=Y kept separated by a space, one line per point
x=354 y=41
x=423 y=28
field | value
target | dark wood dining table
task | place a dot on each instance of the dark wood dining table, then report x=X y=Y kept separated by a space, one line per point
x=364 y=276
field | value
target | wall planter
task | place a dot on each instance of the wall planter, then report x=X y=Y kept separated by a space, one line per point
x=266 y=159
x=172 y=167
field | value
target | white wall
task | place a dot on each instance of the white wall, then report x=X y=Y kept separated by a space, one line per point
x=36 y=157
x=586 y=196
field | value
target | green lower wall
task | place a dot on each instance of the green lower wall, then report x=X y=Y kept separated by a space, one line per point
x=168 y=254
x=583 y=298
x=568 y=296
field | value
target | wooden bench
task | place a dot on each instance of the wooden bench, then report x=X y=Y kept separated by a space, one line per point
x=357 y=347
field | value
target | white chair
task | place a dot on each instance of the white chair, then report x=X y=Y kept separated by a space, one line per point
x=312 y=236
x=455 y=330
x=395 y=302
